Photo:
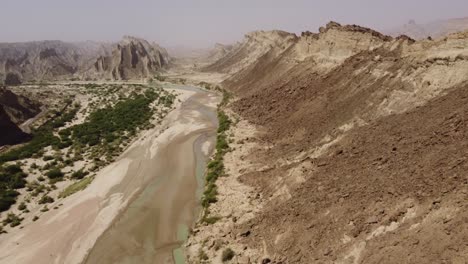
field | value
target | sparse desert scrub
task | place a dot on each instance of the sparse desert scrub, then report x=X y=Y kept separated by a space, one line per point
x=12 y=220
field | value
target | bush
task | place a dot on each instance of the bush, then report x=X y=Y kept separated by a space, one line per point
x=47 y=158
x=79 y=174
x=22 y=206
x=46 y=199
x=12 y=177
x=12 y=219
x=211 y=220
x=54 y=174
x=227 y=255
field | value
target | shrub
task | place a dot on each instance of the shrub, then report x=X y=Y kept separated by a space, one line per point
x=79 y=174
x=202 y=255
x=47 y=158
x=54 y=173
x=46 y=199
x=210 y=220
x=12 y=219
x=227 y=255
x=22 y=206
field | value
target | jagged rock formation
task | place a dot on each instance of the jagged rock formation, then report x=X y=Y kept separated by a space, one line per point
x=362 y=150
x=14 y=110
x=57 y=60
x=434 y=29
x=132 y=58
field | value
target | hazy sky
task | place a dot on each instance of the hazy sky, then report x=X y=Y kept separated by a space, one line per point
x=200 y=23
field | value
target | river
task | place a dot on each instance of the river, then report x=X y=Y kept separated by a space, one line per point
x=156 y=222
x=138 y=209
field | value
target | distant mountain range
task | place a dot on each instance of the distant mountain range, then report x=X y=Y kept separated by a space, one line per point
x=434 y=29
x=56 y=60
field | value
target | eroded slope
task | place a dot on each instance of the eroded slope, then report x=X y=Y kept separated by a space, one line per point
x=359 y=154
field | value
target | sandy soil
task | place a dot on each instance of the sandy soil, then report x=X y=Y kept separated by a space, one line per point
x=66 y=235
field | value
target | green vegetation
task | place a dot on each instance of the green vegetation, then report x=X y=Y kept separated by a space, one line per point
x=46 y=199
x=115 y=117
x=160 y=78
x=79 y=174
x=209 y=220
x=108 y=127
x=12 y=177
x=76 y=187
x=42 y=137
x=22 y=206
x=227 y=255
x=54 y=173
x=202 y=256
x=12 y=220
x=215 y=168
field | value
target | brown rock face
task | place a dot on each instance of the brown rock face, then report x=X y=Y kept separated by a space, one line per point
x=132 y=58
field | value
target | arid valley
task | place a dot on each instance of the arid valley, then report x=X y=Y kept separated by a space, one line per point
x=339 y=144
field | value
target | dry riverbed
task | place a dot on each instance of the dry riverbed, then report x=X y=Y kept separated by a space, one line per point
x=154 y=180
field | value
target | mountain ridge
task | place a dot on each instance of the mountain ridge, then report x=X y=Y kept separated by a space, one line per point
x=349 y=123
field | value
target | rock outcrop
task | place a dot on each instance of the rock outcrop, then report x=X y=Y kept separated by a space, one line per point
x=132 y=58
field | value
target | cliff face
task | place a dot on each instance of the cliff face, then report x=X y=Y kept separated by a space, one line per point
x=11 y=134
x=14 y=110
x=19 y=108
x=132 y=58
x=362 y=146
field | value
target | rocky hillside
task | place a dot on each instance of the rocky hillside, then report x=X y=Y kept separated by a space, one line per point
x=14 y=110
x=132 y=58
x=255 y=45
x=359 y=154
x=434 y=29
x=47 y=60
x=57 y=60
